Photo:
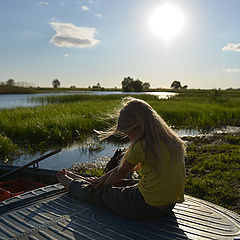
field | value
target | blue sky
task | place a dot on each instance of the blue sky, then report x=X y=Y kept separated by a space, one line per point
x=85 y=42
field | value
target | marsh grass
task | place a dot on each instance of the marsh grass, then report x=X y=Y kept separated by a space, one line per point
x=73 y=98
x=52 y=125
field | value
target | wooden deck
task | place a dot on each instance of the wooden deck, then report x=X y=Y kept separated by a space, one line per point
x=51 y=213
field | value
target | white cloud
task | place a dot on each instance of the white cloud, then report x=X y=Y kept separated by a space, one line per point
x=71 y=36
x=43 y=3
x=232 y=47
x=231 y=70
x=93 y=2
x=98 y=15
x=85 y=8
x=66 y=55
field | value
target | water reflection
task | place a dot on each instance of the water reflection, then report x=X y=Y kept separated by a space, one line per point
x=74 y=154
x=90 y=151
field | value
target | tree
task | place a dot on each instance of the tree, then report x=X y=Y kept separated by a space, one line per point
x=56 y=83
x=137 y=85
x=127 y=84
x=146 y=85
x=176 y=85
x=10 y=82
x=98 y=86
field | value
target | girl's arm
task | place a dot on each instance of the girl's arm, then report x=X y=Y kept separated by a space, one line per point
x=119 y=173
x=115 y=175
x=99 y=181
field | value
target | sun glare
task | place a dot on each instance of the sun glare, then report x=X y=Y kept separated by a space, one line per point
x=167 y=21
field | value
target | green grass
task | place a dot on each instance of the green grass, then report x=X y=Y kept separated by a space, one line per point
x=74 y=98
x=52 y=125
x=213 y=172
x=201 y=110
x=190 y=109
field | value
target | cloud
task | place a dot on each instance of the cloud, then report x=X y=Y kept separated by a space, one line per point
x=43 y=3
x=85 y=8
x=66 y=55
x=232 y=47
x=231 y=70
x=71 y=36
x=98 y=15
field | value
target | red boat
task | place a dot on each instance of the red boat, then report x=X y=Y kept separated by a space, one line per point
x=17 y=180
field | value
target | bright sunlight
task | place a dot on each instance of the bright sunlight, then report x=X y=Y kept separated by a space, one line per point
x=167 y=21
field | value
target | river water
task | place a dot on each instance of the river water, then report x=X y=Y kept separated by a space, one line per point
x=24 y=100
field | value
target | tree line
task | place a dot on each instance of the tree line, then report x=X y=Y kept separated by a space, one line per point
x=128 y=84
x=131 y=85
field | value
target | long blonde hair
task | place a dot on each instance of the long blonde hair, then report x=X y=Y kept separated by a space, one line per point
x=136 y=113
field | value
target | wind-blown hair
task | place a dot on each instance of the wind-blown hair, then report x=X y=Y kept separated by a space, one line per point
x=136 y=113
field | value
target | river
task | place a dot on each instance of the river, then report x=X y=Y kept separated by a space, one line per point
x=24 y=100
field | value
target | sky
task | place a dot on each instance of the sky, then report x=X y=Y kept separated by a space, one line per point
x=85 y=42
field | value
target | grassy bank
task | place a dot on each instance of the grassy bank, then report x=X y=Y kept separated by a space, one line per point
x=213 y=170
x=190 y=109
x=69 y=118
x=8 y=89
x=51 y=126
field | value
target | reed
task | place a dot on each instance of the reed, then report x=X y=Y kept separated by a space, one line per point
x=56 y=124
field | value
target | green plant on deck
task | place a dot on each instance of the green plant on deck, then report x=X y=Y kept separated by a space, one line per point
x=94 y=169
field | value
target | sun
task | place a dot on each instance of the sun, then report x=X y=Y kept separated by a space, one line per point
x=167 y=21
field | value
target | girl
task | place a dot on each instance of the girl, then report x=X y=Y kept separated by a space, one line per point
x=156 y=149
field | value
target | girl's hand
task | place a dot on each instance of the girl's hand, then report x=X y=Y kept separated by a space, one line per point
x=90 y=179
x=97 y=182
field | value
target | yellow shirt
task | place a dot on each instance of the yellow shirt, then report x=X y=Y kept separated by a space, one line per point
x=166 y=188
